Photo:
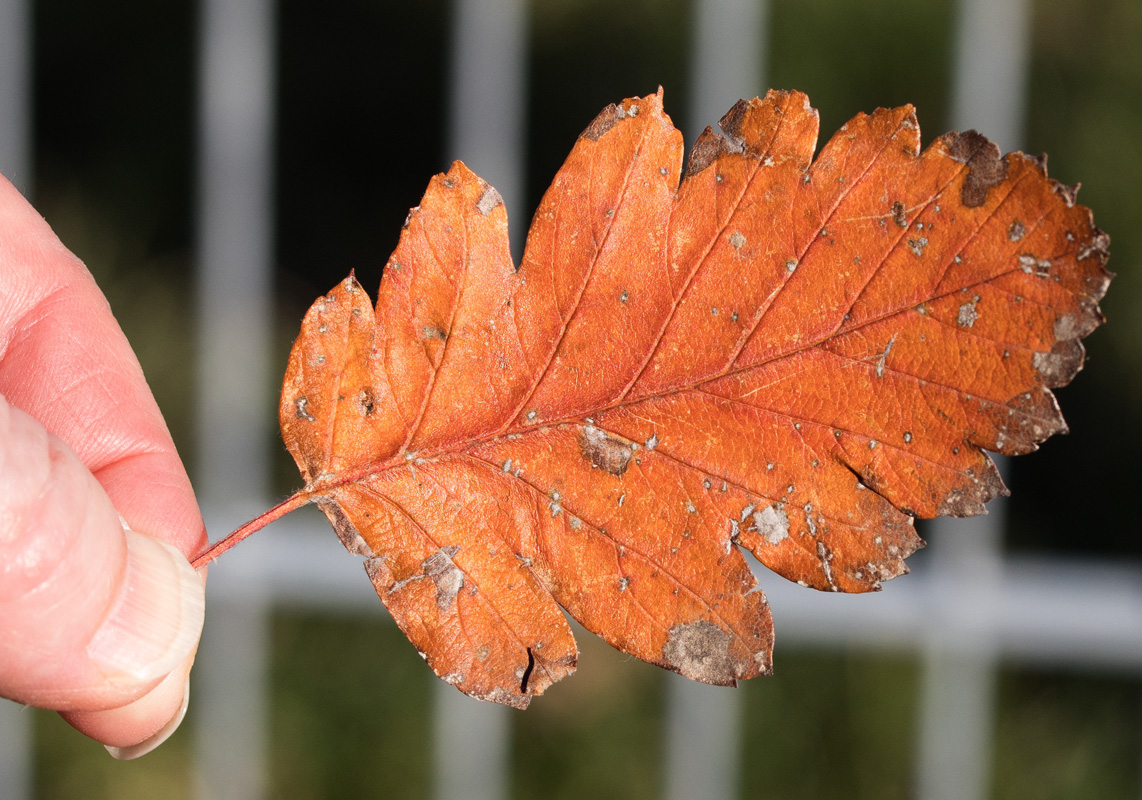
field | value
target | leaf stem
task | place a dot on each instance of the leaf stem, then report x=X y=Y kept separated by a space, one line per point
x=291 y=503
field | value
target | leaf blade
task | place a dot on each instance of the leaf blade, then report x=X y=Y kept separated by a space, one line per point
x=786 y=355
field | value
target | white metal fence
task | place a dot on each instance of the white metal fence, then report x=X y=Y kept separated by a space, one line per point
x=969 y=608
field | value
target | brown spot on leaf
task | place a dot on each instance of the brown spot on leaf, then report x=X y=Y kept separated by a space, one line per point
x=898 y=214
x=345 y=529
x=604 y=451
x=700 y=651
x=734 y=119
x=710 y=146
x=607 y=119
x=986 y=166
x=365 y=401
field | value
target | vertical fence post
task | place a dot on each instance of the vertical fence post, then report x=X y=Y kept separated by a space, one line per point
x=957 y=703
x=487 y=102
x=730 y=55
x=234 y=413
x=703 y=723
x=16 y=165
x=15 y=93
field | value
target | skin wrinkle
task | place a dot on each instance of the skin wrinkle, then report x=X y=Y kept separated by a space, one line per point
x=86 y=433
x=19 y=327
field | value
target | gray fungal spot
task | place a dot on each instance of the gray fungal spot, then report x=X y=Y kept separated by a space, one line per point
x=605 y=452
x=968 y=315
x=737 y=240
x=772 y=524
x=1017 y=231
x=445 y=574
x=700 y=651
x=302 y=406
x=652 y=442
x=917 y=245
x=1075 y=326
x=489 y=200
x=1059 y=366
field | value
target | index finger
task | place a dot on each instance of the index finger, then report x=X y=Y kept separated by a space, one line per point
x=65 y=361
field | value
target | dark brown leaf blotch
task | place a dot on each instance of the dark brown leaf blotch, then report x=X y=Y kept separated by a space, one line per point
x=605 y=452
x=986 y=165
x=607 y=119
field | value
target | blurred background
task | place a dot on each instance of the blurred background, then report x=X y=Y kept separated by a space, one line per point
x=219 y=164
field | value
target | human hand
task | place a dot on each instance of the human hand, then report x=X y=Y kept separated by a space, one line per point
x=100 y=611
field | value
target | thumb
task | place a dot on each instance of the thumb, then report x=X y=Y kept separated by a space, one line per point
x=93 y=617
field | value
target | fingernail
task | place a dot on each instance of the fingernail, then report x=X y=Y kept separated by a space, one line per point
x=158 y=617
x=164 y=733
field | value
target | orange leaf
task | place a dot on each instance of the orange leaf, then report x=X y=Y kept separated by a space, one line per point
x=791 y=356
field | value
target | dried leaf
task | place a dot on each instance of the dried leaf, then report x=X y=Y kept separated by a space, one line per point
x=789 y=356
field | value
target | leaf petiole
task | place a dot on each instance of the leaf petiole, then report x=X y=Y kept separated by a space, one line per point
x=291 y=503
